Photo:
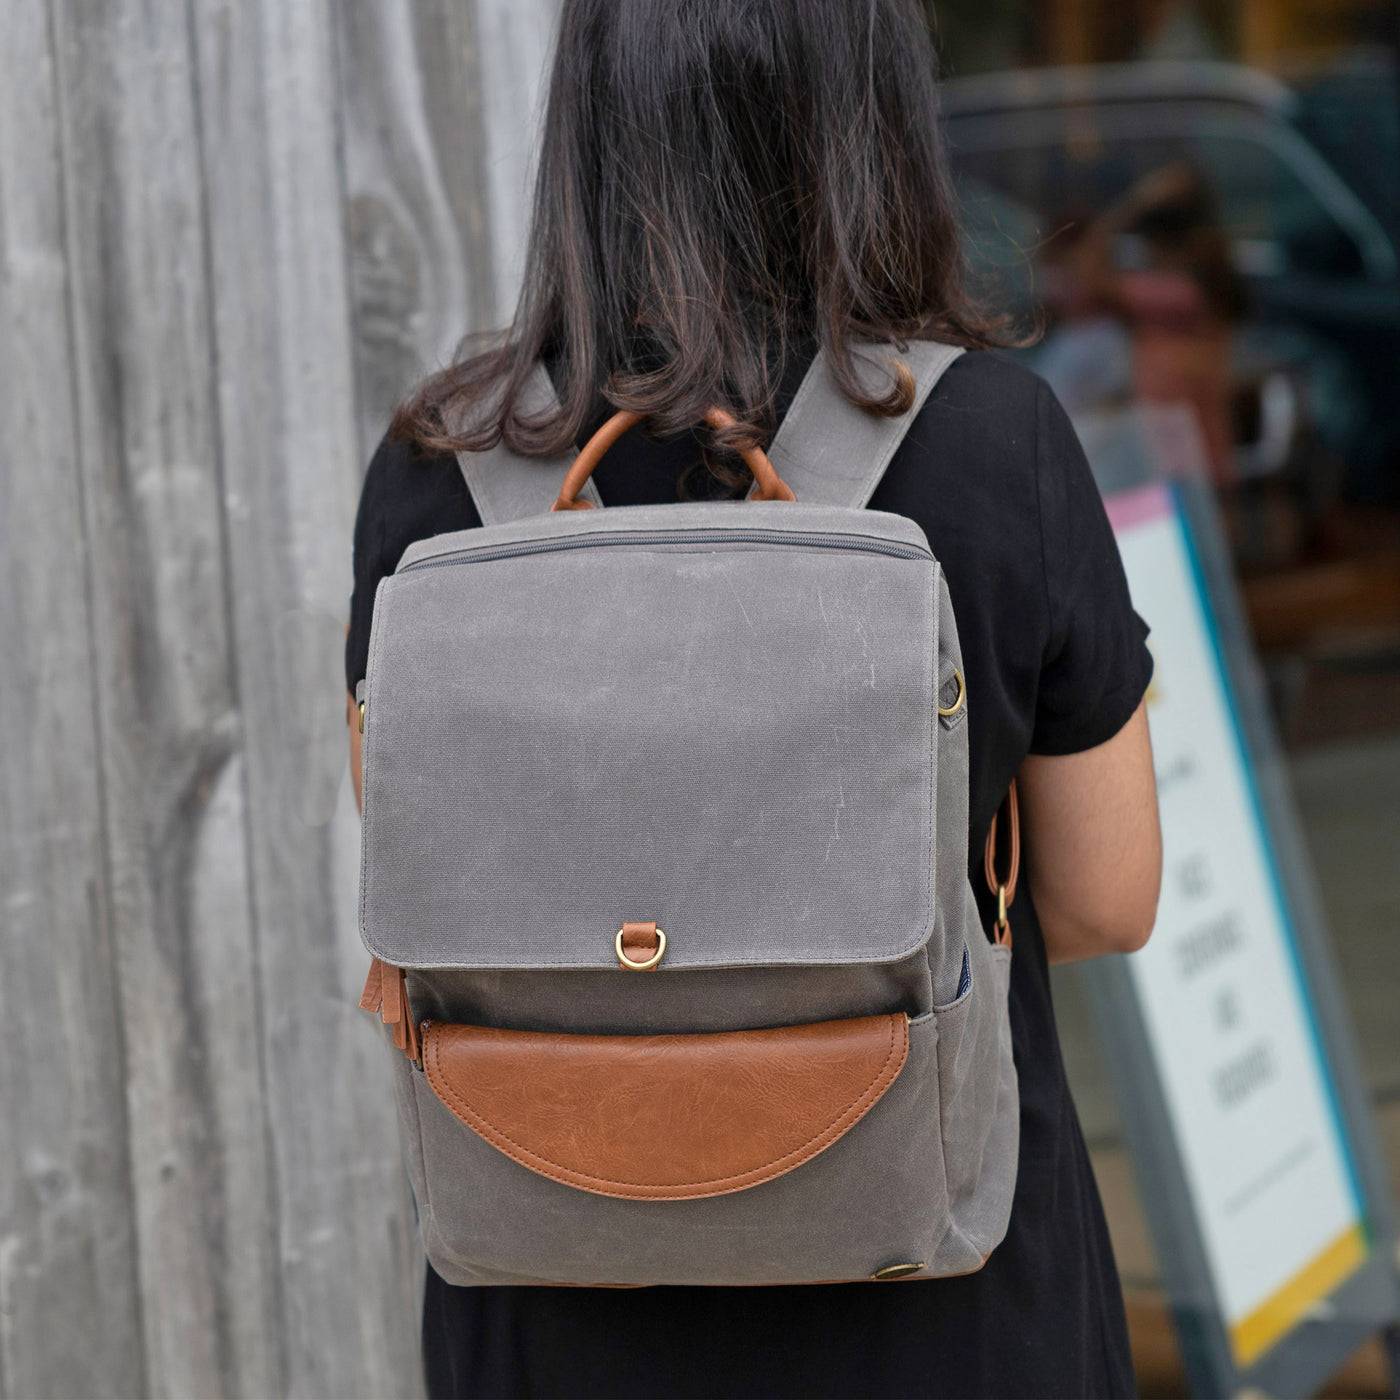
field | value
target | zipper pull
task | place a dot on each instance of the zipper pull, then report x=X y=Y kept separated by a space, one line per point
x=372 y=998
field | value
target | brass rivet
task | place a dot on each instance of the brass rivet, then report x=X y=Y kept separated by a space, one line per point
x=896 y=1271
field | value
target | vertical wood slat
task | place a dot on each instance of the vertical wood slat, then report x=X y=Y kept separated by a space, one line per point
x=418 y=236
x=515 y=44
x=174 y=804
x=69 y=1305
x=292 y=463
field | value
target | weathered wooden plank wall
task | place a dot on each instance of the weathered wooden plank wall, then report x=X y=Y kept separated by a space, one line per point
x=68 y=1252
x=231 y=233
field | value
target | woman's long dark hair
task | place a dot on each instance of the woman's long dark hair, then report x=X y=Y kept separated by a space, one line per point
x=718 y=180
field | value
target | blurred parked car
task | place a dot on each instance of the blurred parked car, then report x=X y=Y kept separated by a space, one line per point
x=1037 y=149
x=1349 y=111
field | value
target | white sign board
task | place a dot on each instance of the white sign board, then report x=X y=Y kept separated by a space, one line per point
x=1220 y=986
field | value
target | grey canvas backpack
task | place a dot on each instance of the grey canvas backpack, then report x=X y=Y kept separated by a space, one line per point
x=665 y=878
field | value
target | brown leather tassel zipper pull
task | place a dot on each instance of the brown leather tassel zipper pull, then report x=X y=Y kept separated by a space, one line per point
x=386 y=991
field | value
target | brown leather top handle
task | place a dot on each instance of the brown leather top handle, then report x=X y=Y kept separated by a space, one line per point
x=769 y=485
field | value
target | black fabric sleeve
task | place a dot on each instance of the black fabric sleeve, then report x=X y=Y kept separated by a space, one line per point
x=406 y=497
x=1096 y=665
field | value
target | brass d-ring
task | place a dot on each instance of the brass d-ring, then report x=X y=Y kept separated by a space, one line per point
x=650 y=962
x=959 y=702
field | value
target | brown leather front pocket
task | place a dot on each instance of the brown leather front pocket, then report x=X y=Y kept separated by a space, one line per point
x=665 y=1117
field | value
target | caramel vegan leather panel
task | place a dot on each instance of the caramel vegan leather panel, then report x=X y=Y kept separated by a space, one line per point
x=665 y=1117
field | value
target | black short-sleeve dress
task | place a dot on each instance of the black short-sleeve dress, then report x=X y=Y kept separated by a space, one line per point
x=1056 y=662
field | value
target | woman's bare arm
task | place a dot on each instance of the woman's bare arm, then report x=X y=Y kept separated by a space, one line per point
x=357 y=772
x=1093 y=844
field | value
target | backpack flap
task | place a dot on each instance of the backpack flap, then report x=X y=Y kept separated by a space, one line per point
x=718 y=718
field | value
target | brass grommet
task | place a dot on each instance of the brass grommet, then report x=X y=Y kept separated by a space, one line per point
x=640 y=966
x=960 y=701
x=892 y=1271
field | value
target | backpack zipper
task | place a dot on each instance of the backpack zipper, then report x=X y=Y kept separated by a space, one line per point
x=796 y=539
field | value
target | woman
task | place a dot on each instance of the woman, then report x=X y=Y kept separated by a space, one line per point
x=723 y=188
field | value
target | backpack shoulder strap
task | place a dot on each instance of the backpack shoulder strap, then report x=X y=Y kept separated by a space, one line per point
x=507 y=486
x=831 y=452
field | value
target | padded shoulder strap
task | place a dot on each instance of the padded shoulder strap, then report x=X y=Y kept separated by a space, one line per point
x=507 y=486
x=831 y=452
